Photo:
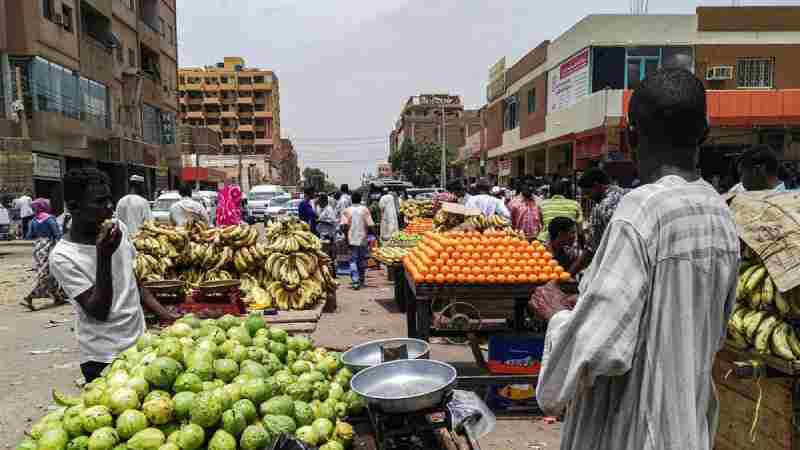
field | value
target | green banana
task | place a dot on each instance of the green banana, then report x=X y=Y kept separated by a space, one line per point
x=794 y=342
x=780 y=342
x=767 y=291
x=783 y=306
x=763 y=334
x=751 y=323
x=740 y=291
x=755 y=278
x=737 y=340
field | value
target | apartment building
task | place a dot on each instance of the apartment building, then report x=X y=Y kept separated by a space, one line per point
x=243 y=105
x=563 y=106
x=421 y=121
x=97 y=79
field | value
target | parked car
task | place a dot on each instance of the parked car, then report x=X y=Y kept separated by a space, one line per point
x=291 y=209
x=162 y=204
x=276 y=205
x=258 y=199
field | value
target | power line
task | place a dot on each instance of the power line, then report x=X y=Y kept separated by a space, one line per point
x=340 y=139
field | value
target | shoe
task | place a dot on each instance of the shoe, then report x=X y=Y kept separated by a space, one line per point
x=356 y=286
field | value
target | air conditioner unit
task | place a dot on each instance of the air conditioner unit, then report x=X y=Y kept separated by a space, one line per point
x=719 y=73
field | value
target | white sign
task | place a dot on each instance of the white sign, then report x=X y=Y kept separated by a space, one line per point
x=569 y=82
x=46 y=167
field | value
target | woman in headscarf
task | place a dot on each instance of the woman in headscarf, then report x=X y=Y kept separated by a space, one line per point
x=45 y=230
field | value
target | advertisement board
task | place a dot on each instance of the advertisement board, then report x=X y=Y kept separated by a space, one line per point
x=497 y=80
x=569 y=82
x=46 y=167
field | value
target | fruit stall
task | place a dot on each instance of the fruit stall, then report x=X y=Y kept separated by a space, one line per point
x=757 y=373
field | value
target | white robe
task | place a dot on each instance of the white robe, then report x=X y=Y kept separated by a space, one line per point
x=388 y=217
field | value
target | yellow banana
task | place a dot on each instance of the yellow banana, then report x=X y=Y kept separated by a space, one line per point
x=751 y=323
x=755 y=278
x=783 y=306
x=767 y=291
x=763 y=334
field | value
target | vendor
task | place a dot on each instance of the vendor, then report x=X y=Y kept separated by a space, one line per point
x=487 y=204
x=93 y=264
x=562 y=231
x=187 y=209
x=758 y=168
x=631 y=364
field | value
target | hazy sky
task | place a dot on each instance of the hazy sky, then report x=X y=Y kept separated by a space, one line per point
x=347 y=66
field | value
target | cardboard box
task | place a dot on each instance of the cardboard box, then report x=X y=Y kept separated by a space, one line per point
x=515 y=355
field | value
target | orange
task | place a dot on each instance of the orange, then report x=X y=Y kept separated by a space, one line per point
x=506 y=269
x=547 y=269
x=547 y=255
x=491 y=279
x=461 y=262
x=446 y=269
x=502 y=279
x=552 y=263
x=470 y=248
x=461 y=278
x=471 y=278
x=430 y=278
x=440 y=278
x=502 y=262
x=456 y=269
x=541 y=262
x=455 y=255
x=558 y=269
x=536 y=255
x=450 y=278
x=418 y=278
x=554 y=276
x=476 y=255
x=480 y=278
x=496 y=255
x=491 y=262
x=533 y=279
x=564 y=276
x=444 y=255
x=512 y=279
x=507 y=255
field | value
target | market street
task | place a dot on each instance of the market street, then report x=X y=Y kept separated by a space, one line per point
x=40 y=351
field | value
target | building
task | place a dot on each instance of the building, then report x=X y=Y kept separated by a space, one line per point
x=243 y=105
x=421 y=121
x=563 y=106
x=284 y=167
x=97 y=79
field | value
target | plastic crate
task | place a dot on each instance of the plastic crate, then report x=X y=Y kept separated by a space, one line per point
x=515 y=354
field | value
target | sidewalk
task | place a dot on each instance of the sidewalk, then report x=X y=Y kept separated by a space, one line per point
x=16 y=243
x=371 y=313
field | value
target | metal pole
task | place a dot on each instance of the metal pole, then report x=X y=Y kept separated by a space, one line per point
x=444 y=149
x=23 y=116
x=196 y=169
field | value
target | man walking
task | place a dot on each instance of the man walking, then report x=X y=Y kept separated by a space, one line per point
x=344 y=200
x=305 y=210
x=631 y=364
x=356 y=224
x=23 y=205
x=606 y=197
x=187 y=209
x=93 y=263
x=389 y=224
x=133 y=209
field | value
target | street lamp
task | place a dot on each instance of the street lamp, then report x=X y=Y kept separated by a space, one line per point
x=443 y=174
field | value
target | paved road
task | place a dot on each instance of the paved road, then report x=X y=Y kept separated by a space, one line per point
x=38 y=352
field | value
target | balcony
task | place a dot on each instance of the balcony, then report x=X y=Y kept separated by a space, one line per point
x=195 y=114
x=246 y=114
x=230 y=141
x=264 y=141
x=262 y=86
x=227 y=86
x=211 y=101
x=228 y=101
x=194 y=101
x=247 y=128
x=213 y=87
x=245 y=142
x=191 y=87
x=261 y=128
x=245 y=100
x=150 y=36
x=215 y=128
x=97 y=61
x=263 y=114
x=230 y=114
x=212 y=115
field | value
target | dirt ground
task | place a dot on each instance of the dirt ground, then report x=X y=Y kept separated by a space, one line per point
x=39 y=351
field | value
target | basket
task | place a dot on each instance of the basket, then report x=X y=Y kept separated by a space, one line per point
x=167 y=291
x=216 y=305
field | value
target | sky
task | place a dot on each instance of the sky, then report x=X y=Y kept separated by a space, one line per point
x=346 y=67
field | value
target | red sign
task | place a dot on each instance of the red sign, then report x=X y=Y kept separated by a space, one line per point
x=575 y=63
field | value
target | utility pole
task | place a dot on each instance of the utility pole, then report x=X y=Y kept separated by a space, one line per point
x=23 y=115
x=443 y=174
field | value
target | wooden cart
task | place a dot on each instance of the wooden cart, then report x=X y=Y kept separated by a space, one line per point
x=738 y=382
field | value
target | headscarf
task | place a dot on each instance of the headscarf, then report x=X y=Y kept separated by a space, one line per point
x=228 y=206
x=41 y=209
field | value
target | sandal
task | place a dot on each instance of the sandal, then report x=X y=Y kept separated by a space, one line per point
x=28 y=303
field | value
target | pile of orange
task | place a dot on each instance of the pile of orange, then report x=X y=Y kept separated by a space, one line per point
x=419 y=226
x=471 y=257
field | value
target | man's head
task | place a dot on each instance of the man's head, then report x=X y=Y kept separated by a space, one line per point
x=526 y=191
x=345 y=189
x=185 y=190
x=337 y=196
x=483 y=186
x=356 y=198
x=562 y=232
x=558 y=188
x=456 y=188
x=758 y=168
x=595 y=182
x=308 y=193
x=668 y=119
x=322 y=200
x=87 y=194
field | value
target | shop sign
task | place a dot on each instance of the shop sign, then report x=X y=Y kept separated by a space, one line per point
x=497 y=80
x=46 y=167
x=569 y=82
x=504 y=167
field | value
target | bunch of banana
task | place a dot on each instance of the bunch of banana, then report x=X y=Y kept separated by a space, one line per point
x=247 y=259
x=291 y=269
x=757 y=290
x=146 y=265
x=217 y=275
x=764 y=331
x=306 y=294
x=482 y=222
x=390 y=255
x=178 y=237
x=238 y=236
x=192 y=277
x=258 y=299
x=291 y=235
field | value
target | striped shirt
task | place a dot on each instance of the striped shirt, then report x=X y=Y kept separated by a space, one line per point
x=631 y=364
x=558 y=206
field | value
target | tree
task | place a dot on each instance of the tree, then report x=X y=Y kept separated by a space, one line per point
x=420 y=163
x=318 y=180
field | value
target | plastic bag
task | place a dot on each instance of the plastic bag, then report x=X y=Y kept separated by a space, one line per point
x=466 y=405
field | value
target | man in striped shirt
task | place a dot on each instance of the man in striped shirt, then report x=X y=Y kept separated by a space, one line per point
x=631 y=364
x=558 y=205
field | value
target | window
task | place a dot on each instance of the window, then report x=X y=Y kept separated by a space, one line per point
x=531 y=101
x=152 y=124
x=66 y=16
x=755 y=72
x=131 y=4
x=171 y=34
x=510 y=117
x=47 y=9
x=131 y=57
x=163 y=27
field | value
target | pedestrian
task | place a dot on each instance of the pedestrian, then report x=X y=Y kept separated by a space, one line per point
x=44 y=229
x=187 y=209
x=326 y=219
x=758 y=169
x=305 y=210
x=356 y=225
x=562 y=234
x=525 y=214
x=93 y=263
x=344 y=200
x=23 y=206
x=133 y=209
x=389 y=225
x=606 y=197
x=558 y=205
x=487 y=204
x=631 y=364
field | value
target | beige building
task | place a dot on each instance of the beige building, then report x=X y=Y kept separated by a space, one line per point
x=243 y=105
x=98 y=80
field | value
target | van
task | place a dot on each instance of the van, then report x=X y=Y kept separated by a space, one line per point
x=258 y=200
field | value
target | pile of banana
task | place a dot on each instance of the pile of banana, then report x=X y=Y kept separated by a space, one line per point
x=481 y=222
x=411 y=209
x=390 y=255
x=443 y=221
x=288 y=236
x=758 y=320
x=160 y=250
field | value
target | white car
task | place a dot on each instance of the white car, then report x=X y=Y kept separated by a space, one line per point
x=258 y=199
x=162 y=204
x=276 y=205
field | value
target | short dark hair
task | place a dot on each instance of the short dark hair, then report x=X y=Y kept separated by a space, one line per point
x=185 y=190
x=593 y=176
x=483 y=185
x=309 y=191
x=670 y=106
x=559 y=225
x=337 y=195
x=760 y=155
x=77 y=181
x=322 y=199
x=356 y=197
x=345 y=188
x=558 y=188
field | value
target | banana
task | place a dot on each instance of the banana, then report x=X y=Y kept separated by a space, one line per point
x=794 y=342
x=755 y=299
x=780 y=342
x=738 y=340
x=763 y=334
x=755 y=278
x=240 y=263
x=248 y=258
x=783 y=306
x=736 y=322
x=751 y=324
x=767 y=291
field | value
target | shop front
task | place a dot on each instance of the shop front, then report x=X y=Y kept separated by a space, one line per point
x=47 y=176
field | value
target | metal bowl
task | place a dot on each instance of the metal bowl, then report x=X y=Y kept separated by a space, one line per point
x=405 y=386
x=370 y=353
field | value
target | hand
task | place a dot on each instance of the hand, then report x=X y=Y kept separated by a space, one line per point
x=548 y=300
x=108 y=242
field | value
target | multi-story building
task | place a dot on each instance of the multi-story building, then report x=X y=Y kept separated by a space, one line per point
x=563 y=106
x=284 y=165
x=243 y=105
x=97 y=79
x=421 y=121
